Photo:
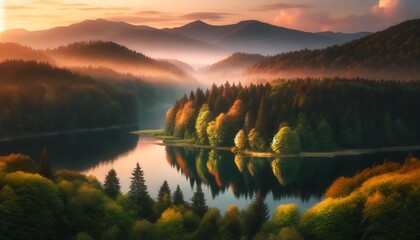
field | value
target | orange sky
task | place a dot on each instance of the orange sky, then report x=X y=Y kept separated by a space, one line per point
x=309 y=15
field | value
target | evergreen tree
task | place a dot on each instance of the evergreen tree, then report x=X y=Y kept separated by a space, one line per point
x=112 y=186
x=164 y=198
x=231 y=224
x=178 y=197
x=198 y=202
x=164 y=190
x=257 y=214
x=45 y=164
x=325 y=136
x=138 y=193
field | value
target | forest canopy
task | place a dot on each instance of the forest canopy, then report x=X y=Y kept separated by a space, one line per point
x=322 y=114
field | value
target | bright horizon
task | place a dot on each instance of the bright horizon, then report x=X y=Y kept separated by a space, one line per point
x=306 y=15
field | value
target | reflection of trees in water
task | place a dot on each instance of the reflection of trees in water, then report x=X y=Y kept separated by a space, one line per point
x=283 y=177
x=76 y=151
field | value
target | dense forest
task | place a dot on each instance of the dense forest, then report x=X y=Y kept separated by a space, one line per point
x=37 y=97
x=304 y=114
x=35 y=203
x=390 y=54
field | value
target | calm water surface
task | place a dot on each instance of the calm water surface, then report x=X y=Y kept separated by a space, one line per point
x=226 y=179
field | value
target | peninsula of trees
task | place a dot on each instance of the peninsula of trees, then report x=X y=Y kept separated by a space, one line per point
x=300 y=115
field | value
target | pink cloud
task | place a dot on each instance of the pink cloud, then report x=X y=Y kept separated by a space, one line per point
x=384 y=14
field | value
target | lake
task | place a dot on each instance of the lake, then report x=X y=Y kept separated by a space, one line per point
x=226 y=179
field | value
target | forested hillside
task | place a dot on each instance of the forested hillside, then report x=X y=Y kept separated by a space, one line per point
x=390 y=54
x=313 y=114
x=36 y=97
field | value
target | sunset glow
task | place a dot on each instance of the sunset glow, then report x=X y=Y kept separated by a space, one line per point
x=308 y=15
x=1 y=15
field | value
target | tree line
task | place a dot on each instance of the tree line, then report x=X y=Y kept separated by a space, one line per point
x=37 y=203
x=290 y=116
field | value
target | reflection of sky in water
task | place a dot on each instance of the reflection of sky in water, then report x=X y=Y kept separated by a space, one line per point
x=152 y=158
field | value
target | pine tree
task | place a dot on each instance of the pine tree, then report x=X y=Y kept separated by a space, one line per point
x=45 y=164
x=257 y=214
x=198 y=202
x=112 y=184
x=178 y=197
x=138 y=193
x=164 y=189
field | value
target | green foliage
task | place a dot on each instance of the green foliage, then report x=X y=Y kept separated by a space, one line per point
x=45 y=168
x=286 y=141
x=325 y=136
x=31 y=206
x=256 y=141
x=209 y=226
x=256 y=215
x=231 y=225
x=138 y=193
x=198 y=202
x=203 y=120
x=112 y=186
x=241 y=140
x=178 y=197
x=17 y=162
x=142 y=229
x=82 y=236
x=170 y=225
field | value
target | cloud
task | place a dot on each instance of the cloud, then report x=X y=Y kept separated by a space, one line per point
x=279 y=6
x=16 y=7
x=214 y=16
x=383 y=14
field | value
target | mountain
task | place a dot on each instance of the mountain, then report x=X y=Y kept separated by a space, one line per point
x=258 y=37
x=14 y=51
x=235 y=62
x=100 y=54
x=390 y=54
x=195 y=43
x=150 y=41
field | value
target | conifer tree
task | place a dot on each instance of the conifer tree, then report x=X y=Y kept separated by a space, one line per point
x=112 y=185
x=138 y=193
x=178 y=197
x=257 y=214
x=45 y=164
x=198 y=202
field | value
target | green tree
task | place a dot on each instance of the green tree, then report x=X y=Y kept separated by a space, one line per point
x=178 y=197
x=198 y=202
x=164 y=198
x=306 y=135
x=138 y=193
x=112 y=186
x=45 y=164
x=286 y=141
x=208 y=228
x=325 y=136
x=203 y=120
x=241 y=140
x=231 y=228
x=256 y=141
x=257 y=214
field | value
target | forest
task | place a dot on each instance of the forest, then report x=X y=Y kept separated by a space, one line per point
x=380 y=202
x=37 y=98
x=388 y=54
x=290 y=116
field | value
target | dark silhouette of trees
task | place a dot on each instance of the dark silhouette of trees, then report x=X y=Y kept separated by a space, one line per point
x=178 y=196
x=198 y=202
x=138 y=193
x=112 y=186
x=45 y=164
x=257 y=214
x=164 y=200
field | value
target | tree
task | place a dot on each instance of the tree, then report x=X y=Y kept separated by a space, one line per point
x=112 y=186
x=241 y=140
x=198 y=202
x=45 y=164
x=325 y=136
x=286 y=141
x=203 y=119
x=164 y=197
x=257 y=214
x=231 y=224
x=138 y=193
x=256 y=141
x=178 y=197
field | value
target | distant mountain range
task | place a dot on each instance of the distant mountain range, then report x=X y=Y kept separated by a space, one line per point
x=196 y=42
x=390 y=54
x=101 y=58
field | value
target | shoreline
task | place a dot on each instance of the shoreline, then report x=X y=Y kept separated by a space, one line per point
x=73 y=131
x=174 y=142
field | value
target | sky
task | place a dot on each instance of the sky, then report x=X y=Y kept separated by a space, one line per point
x=306 y=15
